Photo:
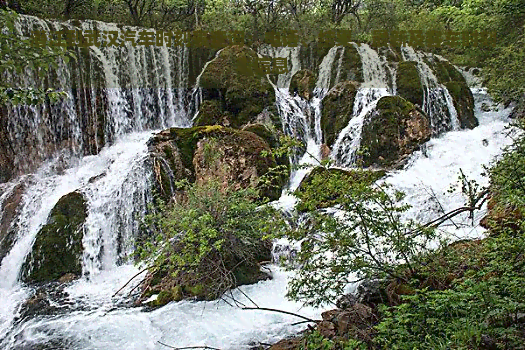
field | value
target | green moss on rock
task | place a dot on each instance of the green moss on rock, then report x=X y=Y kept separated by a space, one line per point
x=351 y=65
x=409 y=83
x=445 y=72
x=175 y=286
x=303 y=84
x=211 y=112
x=167 y=296
x=265 y=132
x=392 y=132
x=232 y=78
x=337 y=110
x=58 y=246
x=463 y=102
x=458 y=88
x=241 y=152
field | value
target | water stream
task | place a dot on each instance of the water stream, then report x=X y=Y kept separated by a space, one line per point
x=115 y=180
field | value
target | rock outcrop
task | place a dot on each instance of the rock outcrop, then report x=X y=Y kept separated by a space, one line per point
x=238 y=91
x=458 y=88
x=502 y=215
x=354 y=322
x=57 y=250
x=392 y=131
x=347 y=65
x=409 y=83
x=230 y=156
x=175 y=287
x=303 y=84
x=8 y=211
x=337 y=110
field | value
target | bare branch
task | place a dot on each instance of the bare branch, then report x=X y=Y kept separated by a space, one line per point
x=131 y=279
x=280 y=311
x=188 y=347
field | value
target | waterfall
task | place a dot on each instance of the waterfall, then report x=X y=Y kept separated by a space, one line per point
x=437 y=102
x=374 y=87
x=302 y=118
x=113 y=90
x=95 y=142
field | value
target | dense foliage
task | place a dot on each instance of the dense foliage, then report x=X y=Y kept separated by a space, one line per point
x=209 y=238
x=482 y=305
x=364 y=236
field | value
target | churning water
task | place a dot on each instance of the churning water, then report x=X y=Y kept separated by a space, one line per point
x=116 y=184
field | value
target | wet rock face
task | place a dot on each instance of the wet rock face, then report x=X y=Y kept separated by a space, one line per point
x=461 y=95
x=57 y=250
x=233 y=158
x=8 y=211
x=287 y=344
x=409 y=83
x=230 y=156
x=239 y=94
x=502 y=215
x=303 y=84
x=391 y=132
x=347 y=66
x=519 y=110
x=464 y=103
x=337 y=110
x=171 y=160
x=355 y=322
x=6 y=152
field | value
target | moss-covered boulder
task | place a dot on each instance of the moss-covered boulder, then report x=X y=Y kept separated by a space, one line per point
x=349 y=66
x=58 y=246
x=502 y=215
x=186 y=284
x=328 y=185
x=463 y=102
x=409 y=83
x=303 y=84
x=200 y=153
x=211 y=112
x=235 y=158
x=392 y=132
x=233 y=79
x=337 y=110
x=171 y=154
x=264 y=131
x=458 y=88
x=6 y=151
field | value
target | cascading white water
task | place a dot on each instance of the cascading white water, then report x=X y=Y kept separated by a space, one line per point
x=113 y=90
x=143 y=92
x=118 y=191
x=437 y=102
x=374 y=87
x=298 y=116
x=431 y=172
x=114 y=201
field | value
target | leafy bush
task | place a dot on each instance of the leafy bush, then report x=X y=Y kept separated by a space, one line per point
x=364 y=236
x=481 y=306
x=209 y=238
